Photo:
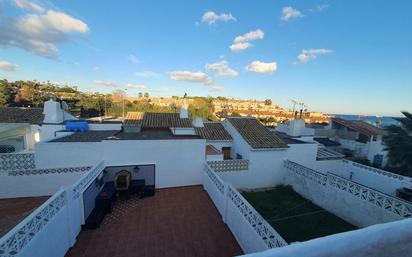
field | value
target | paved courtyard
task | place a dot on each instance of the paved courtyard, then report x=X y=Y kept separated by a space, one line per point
x=175 y=222
x=14 y=210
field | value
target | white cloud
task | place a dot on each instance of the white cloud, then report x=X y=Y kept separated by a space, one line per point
x=289 y=13
x=242 y=42
x=7 y=66
x=307 y=55
x=107 y=83
x=29 y=6
x=262 y=67
x=147 y=74
x=250 y=36
x=40 y=33
x=320 y=8
x=114 y=84
x=135 y=86
x=238 y=47
x=96 y=68
x=221 y=69
x=194 y=77
x=133 y=58
x=211 y=17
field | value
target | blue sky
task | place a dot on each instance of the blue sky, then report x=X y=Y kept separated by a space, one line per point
x=336 y=56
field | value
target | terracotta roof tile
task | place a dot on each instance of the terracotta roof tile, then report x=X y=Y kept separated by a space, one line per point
x=360 y=126
x=21 y=115
x=255 y=134
x=213 y=131
x=134 y=118
x=165 y=120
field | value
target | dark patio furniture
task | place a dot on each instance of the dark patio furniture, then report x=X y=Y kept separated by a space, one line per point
x=106 y=197
x=138 y=186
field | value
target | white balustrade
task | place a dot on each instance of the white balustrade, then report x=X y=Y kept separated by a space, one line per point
x=20 y=236
x=17 y=161
x=250 y=229
x=229 y=165
x=362 y=192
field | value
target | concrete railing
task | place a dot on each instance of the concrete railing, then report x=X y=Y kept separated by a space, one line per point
x=382 y=240
x=48 y=171
x=379 y=199
x=229 y=165
x=250 y=229
x=378 y=171
x=17 y=161
x=330 y=184
x=52 y=228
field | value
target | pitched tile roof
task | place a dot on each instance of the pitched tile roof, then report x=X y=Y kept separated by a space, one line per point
x=134 y=118
x=360 y=126
x=87 y=136
x=213 y=131
x=326 y=141
x=21 y=115
x=165 y=120
x=255 y=134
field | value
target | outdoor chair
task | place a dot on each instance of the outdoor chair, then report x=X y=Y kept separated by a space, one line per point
x=122 y=183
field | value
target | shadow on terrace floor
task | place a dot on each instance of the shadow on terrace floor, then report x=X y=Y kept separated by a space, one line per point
x=175 y=222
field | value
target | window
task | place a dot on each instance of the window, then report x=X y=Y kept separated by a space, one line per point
x=239 y=156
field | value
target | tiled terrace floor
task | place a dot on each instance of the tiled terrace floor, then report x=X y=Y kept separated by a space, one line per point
x=14 y=210
x=175 y=222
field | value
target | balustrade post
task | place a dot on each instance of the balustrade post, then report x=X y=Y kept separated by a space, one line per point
x=225 y=201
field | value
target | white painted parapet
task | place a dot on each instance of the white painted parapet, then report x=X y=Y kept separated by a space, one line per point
x=353 y=202
x=383 y=240
x=251 y=230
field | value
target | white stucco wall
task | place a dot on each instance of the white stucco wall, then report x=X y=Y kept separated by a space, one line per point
x=383 y=240
x=68 y=154
x=35 y=185
x=350 y=208
x=178 y=162
x=47 y=132
x=373 y=179
x=105 y=126
x=219 y=144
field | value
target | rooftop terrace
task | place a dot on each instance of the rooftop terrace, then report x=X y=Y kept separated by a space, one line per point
x=175 y=222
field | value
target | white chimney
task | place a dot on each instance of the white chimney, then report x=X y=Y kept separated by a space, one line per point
x=296 y=127
x=53 y=112
x=198 y=122
x=184 y=113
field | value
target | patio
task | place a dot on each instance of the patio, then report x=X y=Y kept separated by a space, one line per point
x=175 y=222
x=14 y=210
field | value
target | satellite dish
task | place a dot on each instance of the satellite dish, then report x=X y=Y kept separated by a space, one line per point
x=64 y=105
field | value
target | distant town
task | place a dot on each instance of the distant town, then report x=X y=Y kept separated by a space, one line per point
x=116 y=104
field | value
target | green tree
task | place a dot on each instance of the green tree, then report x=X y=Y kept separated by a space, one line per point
x=146 y=94
x=6 y=97
x=399 y=145
x=268 y=102
x=140 y=94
